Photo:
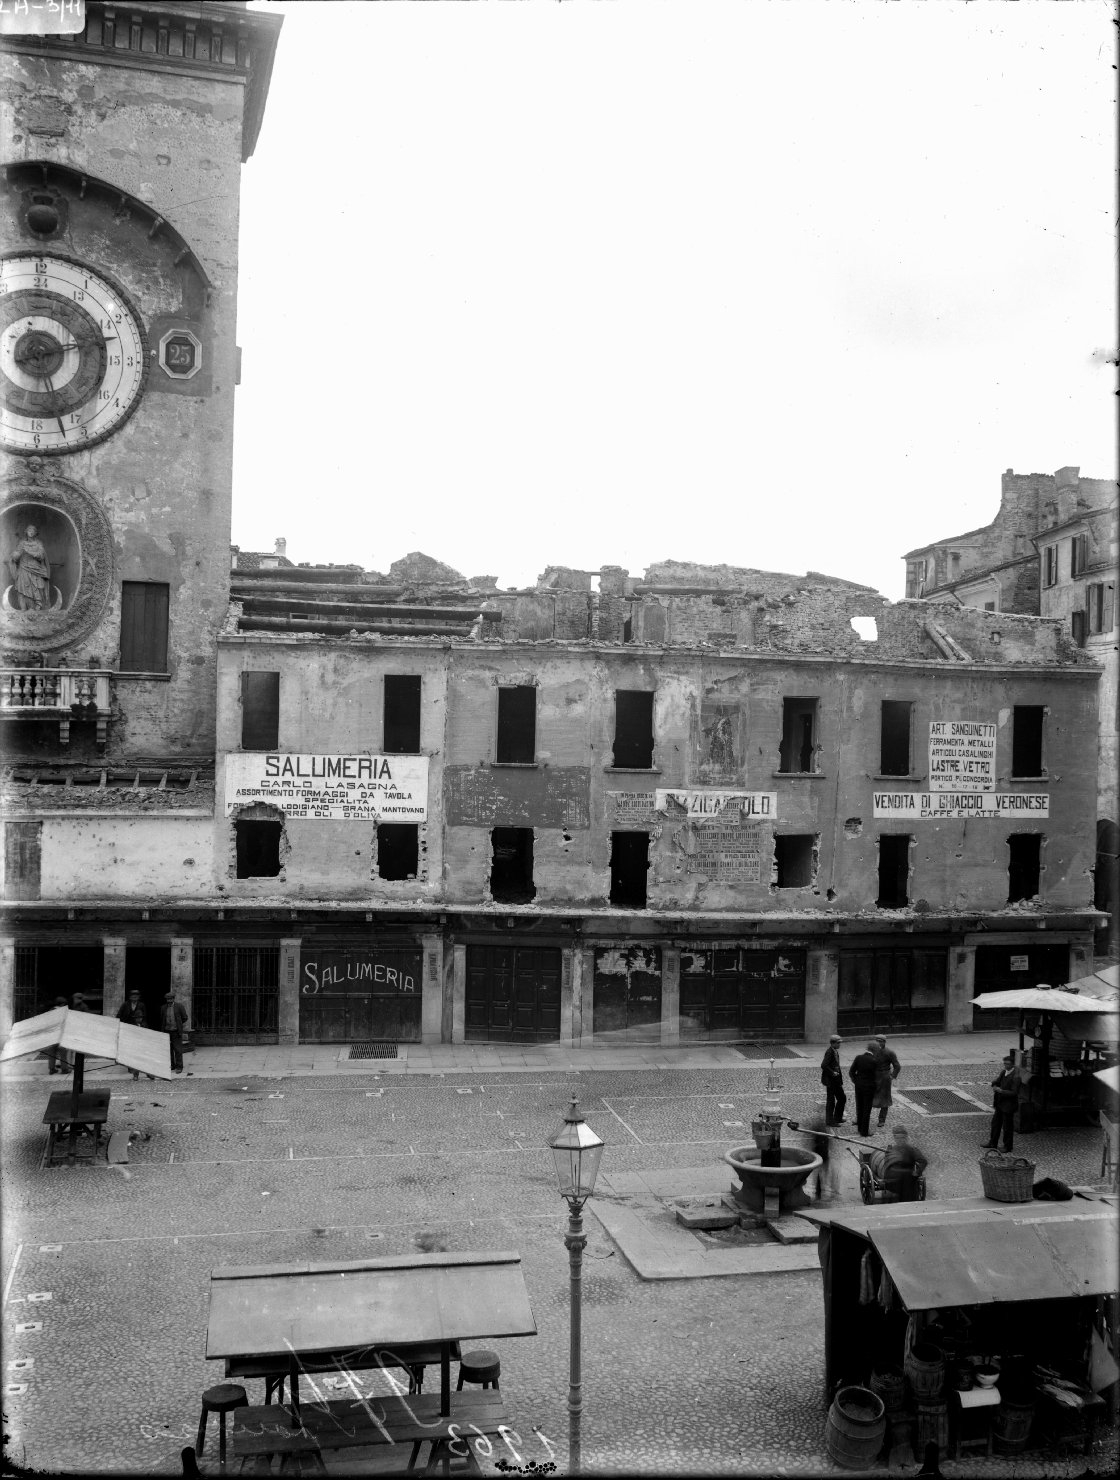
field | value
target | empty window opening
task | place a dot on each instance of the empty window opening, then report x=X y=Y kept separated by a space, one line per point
x=865 y=628
x=511 y=867
x=1023 y=865
x=989 y=606
x=629 y=869
x=793 y=856
x=894 y=870
x=1026 y=740
x=799 y=735
x=260 y=711
x=633 y=729
x=144 y=608
x=398 y=850
x=517 y=726
x=894 y=737
x=628 y=629
x=258 y=849
x=401 y=731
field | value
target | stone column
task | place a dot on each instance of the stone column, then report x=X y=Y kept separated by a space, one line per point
x=961 y=989
x=112 y=977
x=287 y=1007
x=7 y=985
x=571 y=977
x=458 y=993
x=182 y=981
x=431 y=1005
x=587 y=998
x=670 y=996
x=822 y=976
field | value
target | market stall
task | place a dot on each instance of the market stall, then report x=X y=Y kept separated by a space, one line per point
x=1065 y=1037
x=938 y=1299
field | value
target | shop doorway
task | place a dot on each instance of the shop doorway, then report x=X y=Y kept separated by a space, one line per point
x=733 y=993
x=884 y=991
x=627 y=985
x=43 y=973
x=147 y=970
x=512 y=994
x=1003 y=968
x=360 y=994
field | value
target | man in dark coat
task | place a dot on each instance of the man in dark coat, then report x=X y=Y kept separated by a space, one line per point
x=889 y=1070
x=173 y=1017
x=133 y=1012
x=832 y=1077
x=903 y=1165
x=863 y=1074
x=1005 y=1088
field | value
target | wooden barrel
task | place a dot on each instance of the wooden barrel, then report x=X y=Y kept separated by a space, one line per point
x=933 y=1425
x=1011 y=1426
x=856 y=1424
x=924 y=1366
x=890 y=1386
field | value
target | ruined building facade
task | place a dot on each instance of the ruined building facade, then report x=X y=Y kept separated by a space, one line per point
x=118 y=215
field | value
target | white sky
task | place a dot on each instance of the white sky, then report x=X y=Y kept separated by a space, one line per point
x=777 y=285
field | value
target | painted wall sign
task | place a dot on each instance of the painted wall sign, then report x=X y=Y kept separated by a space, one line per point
x=731 y=853
x=908 y=805
x=557 y=796
x=355 y=788
x=962 y=756
x=334 y=971
x=717 y=806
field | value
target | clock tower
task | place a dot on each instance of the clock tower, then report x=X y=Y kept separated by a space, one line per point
x=126 y=128
x=118 y=363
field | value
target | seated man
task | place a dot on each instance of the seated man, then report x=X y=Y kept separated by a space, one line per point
x=903 y=1164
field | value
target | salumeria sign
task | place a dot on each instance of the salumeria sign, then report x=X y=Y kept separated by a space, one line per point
x=950 y=804
x=383 y=788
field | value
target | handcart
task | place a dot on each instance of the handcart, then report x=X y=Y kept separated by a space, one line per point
x=871 y=1188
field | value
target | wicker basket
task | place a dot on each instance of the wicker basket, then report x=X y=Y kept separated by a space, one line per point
x=1007 y=1178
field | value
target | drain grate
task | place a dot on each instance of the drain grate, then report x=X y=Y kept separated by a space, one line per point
x=763 y=1051
x=941 y=1100
x=373 y=1051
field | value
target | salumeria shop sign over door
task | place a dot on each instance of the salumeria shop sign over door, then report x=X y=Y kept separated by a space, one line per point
x=351 y=788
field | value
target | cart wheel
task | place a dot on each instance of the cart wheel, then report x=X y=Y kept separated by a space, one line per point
x=921 y=1189
x=866 y=1184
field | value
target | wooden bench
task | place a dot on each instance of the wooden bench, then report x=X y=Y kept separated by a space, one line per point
x=265 y=1430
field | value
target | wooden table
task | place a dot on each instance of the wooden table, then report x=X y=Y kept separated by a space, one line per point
x=92 y=1111
x=412 y=1357
x=321 y=1313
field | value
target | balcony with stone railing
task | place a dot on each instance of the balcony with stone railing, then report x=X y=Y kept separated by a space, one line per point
x=62 y=694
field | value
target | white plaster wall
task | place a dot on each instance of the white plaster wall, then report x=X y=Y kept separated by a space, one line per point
x=127 y=857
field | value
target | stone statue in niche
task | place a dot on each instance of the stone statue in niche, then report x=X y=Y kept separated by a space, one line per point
x=31 y=574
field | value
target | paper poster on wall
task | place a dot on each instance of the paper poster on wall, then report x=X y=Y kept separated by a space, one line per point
x=962 y=756
x=728 y=853
x=352 y=788
x=921 y=806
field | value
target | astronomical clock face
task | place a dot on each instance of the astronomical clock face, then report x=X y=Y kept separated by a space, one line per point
x=73 y=355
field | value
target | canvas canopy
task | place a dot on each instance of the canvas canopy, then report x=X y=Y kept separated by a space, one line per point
x=90 y=1034
x=1044 y=999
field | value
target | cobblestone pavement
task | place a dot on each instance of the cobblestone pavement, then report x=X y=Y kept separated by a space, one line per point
x=717 y=1376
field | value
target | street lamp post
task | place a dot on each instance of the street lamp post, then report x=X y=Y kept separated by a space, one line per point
x=576 y=1150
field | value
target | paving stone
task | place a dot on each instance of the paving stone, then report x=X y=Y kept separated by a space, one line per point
x=708 y=1216
x=792 y=1230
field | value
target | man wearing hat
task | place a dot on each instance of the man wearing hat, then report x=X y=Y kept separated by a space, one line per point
x=133 y=1012
x=888 y=1071
x=173 y=1016
x=1005 y=1087
x=862 y=1073
x=832 y=1077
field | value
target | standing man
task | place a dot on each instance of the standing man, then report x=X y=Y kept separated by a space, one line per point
x=1005 y=1087
x=132 y=1012
x=863 y=1074
x=832 y=1077
x=173 y=1016
x=888 y=1069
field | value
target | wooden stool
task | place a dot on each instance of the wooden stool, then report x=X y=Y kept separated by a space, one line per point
x=442 y=1460
x=221 y=1400
x=482 y=1367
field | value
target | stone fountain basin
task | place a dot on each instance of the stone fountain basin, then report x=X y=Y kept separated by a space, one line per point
x=786 y=1181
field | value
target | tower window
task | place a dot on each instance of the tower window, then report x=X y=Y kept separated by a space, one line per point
x=144 y=608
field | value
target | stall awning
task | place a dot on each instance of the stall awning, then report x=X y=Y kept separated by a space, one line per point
x=983 y=1263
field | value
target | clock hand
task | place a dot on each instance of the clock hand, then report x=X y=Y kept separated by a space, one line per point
x=47 y=380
